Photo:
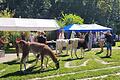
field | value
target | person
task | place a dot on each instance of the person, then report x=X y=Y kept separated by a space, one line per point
x=41 y=38
x=61 y=35
x=94 y=39
x=109 y=40
x=1 y=43
x=23 y=36
x=90 y=40
x=101 y=40
x=86 y=39
x=31 y=37
x=81 y=44
x=72 y=35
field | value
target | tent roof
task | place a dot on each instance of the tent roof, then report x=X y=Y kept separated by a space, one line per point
x=25 y=24
x=86 y=27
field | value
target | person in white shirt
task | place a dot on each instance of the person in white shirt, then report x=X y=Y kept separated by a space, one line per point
x=61 y=35
x=32 y=38
x=73 y=35
x=90 y=40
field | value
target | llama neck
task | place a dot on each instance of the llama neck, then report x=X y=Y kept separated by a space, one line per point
x=53 y=57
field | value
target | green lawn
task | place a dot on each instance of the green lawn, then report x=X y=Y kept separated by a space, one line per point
x=117 y=43
x=96 y=65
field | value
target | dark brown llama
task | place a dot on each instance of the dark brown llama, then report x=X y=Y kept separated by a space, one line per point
x=39 y=49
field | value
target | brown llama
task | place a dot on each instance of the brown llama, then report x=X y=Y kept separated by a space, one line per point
x=39 y=49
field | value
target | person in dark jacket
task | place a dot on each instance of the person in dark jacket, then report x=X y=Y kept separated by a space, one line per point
x=41 y=38
x=86 y=39
x=109 y=40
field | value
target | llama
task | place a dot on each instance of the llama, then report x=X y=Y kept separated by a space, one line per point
x=60 y=43
x=73 y=46
x=39 y=49
x=70 y=44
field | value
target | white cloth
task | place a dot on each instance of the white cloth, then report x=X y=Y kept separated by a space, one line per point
x=61 y=36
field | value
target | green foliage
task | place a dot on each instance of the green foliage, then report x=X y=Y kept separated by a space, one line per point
x=104 y=6
x=70 y=19
x=6 y=13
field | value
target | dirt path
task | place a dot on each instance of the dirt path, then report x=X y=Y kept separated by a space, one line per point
x=8 y=57
x=12 y=56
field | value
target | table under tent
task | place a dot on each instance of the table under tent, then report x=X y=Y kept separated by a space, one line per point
x=26 y=24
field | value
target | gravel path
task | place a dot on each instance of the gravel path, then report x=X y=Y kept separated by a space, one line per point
x=8 y=57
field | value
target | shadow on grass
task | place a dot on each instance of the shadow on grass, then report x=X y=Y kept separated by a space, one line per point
x=71 y=59
x=99 y=52
x=105 y=57
x=63 y=55
x=27 y=72
x=17 y=61
x=31 y=61
x=87 y=50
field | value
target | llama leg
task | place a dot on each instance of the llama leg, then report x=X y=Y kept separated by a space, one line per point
x=27 y=58
x=47 y=61
x=21 y=62
x=56 y=49
x=71 y=52
x=37 y=58
x=24 y=64
x=75 y=52
x=60 y=50
x=23 y=59
x=42 y=57
x=67 y=52
x=67 y=48
x=82 y=52
x=17 y=50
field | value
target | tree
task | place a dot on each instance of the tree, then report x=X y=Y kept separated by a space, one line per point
x=29 y=9
x=6 y=13
x=70 y=19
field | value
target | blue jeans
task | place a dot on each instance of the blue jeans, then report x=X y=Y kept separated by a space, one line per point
x=109 y=46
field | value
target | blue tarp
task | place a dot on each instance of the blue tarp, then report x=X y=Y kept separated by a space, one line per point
x=85 y=28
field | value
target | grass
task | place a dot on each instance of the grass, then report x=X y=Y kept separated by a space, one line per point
x=93 y=69
x=118 y=44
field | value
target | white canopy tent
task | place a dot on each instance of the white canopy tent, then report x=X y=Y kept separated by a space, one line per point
x=25 y=24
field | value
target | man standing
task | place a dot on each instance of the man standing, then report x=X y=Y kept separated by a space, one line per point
x=109 y=41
